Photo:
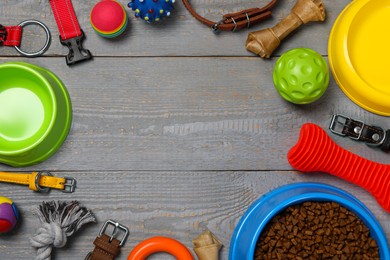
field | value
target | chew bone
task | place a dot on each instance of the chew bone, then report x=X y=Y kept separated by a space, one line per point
x=265 y=41
x=315 y=151
x=207 y=246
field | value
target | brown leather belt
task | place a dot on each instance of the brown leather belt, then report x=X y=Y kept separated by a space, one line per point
x=108 y=247
x=237 y=20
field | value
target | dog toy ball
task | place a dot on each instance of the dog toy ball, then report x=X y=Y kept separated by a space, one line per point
x=152 y=10
x=108 y=18
x=301 y=76
x=9 y=215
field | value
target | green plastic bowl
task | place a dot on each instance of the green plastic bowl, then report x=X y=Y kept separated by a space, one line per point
x=35 y=114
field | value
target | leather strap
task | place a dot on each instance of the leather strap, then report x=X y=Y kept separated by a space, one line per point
x=108 y=247
x=10 y=35
x=71 y=34
x=237 y=20
x=36 y=181
x=359 y=131
x=104 y=249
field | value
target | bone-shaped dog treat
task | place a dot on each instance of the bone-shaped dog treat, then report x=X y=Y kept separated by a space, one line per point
x=264 y=42
x=316 y=152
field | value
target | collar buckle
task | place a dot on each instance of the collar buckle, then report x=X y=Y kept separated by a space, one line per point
x=77 y=53
x=69 y=185
x=117 y=226
x=357 y=130
x=341 y=120
x=338 y=120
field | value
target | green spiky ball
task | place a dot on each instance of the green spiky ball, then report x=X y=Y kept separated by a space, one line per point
x=301 y=76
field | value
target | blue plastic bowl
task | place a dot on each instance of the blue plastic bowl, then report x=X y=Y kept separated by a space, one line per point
x=255 y=219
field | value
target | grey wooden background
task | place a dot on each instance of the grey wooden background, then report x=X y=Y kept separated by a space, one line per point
x=175 y=129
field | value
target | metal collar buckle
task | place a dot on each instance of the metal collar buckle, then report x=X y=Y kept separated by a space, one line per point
x=115 y=231
x=3 y=34
x=76 y=51
x=338 y=120
x=69 y=185
x=341 y=120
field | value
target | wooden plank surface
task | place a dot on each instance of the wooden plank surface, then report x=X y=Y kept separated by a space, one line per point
x=175 y=129
x=186 y=114
x=175 y=204
x=179 y=35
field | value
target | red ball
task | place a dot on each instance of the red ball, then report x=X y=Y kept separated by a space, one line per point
x=5 y=226
x=108 y=16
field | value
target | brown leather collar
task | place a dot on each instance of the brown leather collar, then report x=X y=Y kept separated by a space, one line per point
x=108 y=247
x=237 y=20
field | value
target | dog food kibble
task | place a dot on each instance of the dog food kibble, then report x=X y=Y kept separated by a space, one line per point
x=316 y=230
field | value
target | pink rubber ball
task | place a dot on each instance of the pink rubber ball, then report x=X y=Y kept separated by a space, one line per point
x=108 y=17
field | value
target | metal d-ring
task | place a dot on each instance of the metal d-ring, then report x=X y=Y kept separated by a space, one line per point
x=47 y=43
x=37 y=177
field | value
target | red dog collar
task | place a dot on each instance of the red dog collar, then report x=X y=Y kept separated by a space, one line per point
x=71 y=34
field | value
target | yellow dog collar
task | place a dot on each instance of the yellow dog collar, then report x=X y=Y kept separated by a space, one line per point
x=40 y=181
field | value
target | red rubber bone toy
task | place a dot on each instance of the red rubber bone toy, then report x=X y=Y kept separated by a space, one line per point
x=316 y=152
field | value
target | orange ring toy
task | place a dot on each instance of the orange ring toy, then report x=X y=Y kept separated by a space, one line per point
x=160 y=244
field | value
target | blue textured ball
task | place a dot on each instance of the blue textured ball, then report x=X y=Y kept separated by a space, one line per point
x=152 y=10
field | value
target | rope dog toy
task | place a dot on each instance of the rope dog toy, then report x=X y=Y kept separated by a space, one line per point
x=316 y=152
x=59 y=221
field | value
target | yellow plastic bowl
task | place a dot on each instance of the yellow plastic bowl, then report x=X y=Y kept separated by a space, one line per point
x=359 y=54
